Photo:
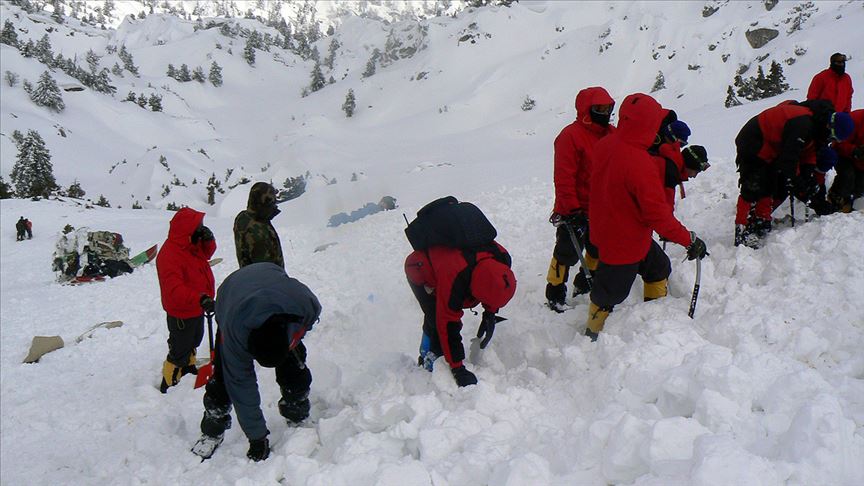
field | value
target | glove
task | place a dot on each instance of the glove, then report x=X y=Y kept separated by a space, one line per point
x=202 y=233
x=697 y=248
x=826 y=159
x=463 y=377
x=487 y=328
x=805 y=188
x=207 y=303
x=259 y=449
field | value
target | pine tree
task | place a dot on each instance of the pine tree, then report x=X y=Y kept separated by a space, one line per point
x=198 y=74
x=11 y=78
x=142 y=100
x=215 y=74
x=761 y=85
x=317 y=82
x=776 y=79
x=370 y=65
x=116 y=70
x=75 y=190
x=47 y=94
x=92 y=60
x=102 y=82
x=102 y=202
x=43 y=51
x=183 y=73
x=745 y=88
x=172 y=73
x=128 y=62
x=350 y=104
x=659 y=82
x=155 y=102
x=132 y=97
x=249 y=53
x=58 y=13
x=33 y=175
x=731 y=99
x=9 y=35
x=331 y=53
x=28 y=48
x=213 y=185
x=5 y=189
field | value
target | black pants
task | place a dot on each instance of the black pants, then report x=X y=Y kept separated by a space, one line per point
x=430 y=328
x=849 y=181
x=184 y=335
x=612 y=283
x=565 y=252
x=293 y=381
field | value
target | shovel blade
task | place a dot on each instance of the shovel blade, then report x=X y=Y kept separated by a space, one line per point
x=474 y=352
x=204 y=374
x=41 y=346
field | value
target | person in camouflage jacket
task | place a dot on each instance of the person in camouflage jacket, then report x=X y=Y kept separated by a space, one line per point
x=255 y=238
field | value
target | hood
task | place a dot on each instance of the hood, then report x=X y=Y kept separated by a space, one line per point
x=183 y=224
x=493 y=283
x=262 y=201
x=639 y=119
x=585 y=99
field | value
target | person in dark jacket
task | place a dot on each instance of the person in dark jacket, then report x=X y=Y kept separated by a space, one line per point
x=444 y=283
x=627 y=205
x=776 y=157
x=255 y=238
x=263 y=315
x=848 y=183
x=833 y=84
x=187 y=286
x=574 y=154
x=20 y=228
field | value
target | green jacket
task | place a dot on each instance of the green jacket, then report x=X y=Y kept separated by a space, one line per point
x=255 y=238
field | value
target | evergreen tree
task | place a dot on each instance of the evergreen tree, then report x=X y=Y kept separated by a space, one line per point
x=745 y=88
x=198 y=74
x=528 y=103
x=142 y=100
x=92 y=60
x=5 y=189
x=760 y=85
x=116 y=70
x=58 y=13
x=28 y=48
x=249 y=53
x=47 y=94
x=128 y=61
x=659 y=82
x=75 y=190
x=132 y=97
x=108 y=8
x=776 y=79
x=9 y=35
x=215 y=74
x=370 y=65
x=213 y=185
x=317 y=82
x=11 y=78
x=331 y=53
x=155 y=102
x=43 y=51
x=350 y=104
x=731 y=99
x=172 y=73
x=102 y=202
x=33 y=175
x=183 y=73
x=102 y=82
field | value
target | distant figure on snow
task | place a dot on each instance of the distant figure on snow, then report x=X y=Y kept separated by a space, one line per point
x=187 y=286
x=833 y=84
x=255 y=238
x=20 y=228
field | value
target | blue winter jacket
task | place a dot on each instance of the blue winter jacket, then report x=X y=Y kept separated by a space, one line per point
x=244 y=301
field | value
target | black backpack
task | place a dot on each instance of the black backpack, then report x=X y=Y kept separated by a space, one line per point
x=448 y=222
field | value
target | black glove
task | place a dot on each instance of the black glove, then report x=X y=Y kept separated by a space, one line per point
x=805 y=188
x=487 y=328
x=463 y=377
x=259 y=449
x=207 y=303
x=697 y=248
x=202 y=233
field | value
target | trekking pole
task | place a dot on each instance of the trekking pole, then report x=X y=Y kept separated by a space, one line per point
x=578 y=247
x=695 y=288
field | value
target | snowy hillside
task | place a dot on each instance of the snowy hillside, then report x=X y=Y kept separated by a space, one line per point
x=764 y=387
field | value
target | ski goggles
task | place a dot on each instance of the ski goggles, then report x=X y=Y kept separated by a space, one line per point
x=603 y=109
x=702 y=164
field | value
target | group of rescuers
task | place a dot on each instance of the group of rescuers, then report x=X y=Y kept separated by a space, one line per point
x=614 y=187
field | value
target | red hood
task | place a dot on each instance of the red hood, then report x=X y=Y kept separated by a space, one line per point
x=639 y=119
x=493 y=283
x=585 y=99
x=183 y=224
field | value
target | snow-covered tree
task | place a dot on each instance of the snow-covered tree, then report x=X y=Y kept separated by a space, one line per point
x=142 y=100
x=317 y=80
x=58 y=14
x=75 y=190
x=249 y=52
x=103 y=201
x=183 y=73
x=731 y=99
x=33 y=175
x=172 y=72
x=10 y=78
x=215 y=76
x=350 y=104
x=47 y=94
x=43 y=51
x=155 y=102
x=198 y=74
x=128 y=61
x=9 y=35
x=659 y=82
x=776 y=80
x=528 y=103
x=92 y=60
x=5 y=189
x=331 y=53
x=370 y=65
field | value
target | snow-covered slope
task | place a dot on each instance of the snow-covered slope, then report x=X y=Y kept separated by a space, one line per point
x=765 y=386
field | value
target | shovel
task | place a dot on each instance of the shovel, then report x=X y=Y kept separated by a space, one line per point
x=206 y=372
x=43 y=345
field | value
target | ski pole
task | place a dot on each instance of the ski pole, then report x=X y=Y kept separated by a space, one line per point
x=695 y=288
x=578 y=247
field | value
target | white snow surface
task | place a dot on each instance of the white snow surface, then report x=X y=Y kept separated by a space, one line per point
x=765 y=386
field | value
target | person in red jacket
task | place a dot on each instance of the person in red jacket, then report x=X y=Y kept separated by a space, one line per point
x=574 y=153
x=776 y=156
x=849 y=182
x=444 y=283
x=187 y=287
x=628 y=204
x=833 y=84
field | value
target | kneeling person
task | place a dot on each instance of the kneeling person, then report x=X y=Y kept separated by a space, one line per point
x=263 y=314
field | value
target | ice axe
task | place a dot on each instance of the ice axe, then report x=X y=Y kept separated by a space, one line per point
x=695 y=288
x=206 y=372
x=578 y=247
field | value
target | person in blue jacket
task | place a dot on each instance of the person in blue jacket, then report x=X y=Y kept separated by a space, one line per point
x=262 y=314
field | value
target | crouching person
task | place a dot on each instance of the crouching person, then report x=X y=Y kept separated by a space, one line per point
x=263 y=315
x=444 y=283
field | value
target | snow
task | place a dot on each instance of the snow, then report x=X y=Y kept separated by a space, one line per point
x=764 y=386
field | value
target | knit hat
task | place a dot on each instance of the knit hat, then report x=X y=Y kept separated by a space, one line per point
x=493 y=283
x=841 y=125
x=695 y=158
x=677 y=130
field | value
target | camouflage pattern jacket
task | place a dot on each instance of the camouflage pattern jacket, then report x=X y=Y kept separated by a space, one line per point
x=255 y=238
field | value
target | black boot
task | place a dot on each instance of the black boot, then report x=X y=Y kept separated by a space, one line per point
x=294 y=406
x=580 y=283
x=555 y=297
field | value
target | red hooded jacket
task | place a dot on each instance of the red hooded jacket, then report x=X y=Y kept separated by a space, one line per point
x=183 y=268
x=844 y=149
x=574 y=152
x=836 y=88
x=627 y=190
x=491 y=283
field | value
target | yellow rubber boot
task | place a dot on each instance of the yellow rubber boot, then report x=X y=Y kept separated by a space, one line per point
x=596 y=320
x=655 y=290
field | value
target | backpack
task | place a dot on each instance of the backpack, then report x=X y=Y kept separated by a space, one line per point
x=448 y=222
